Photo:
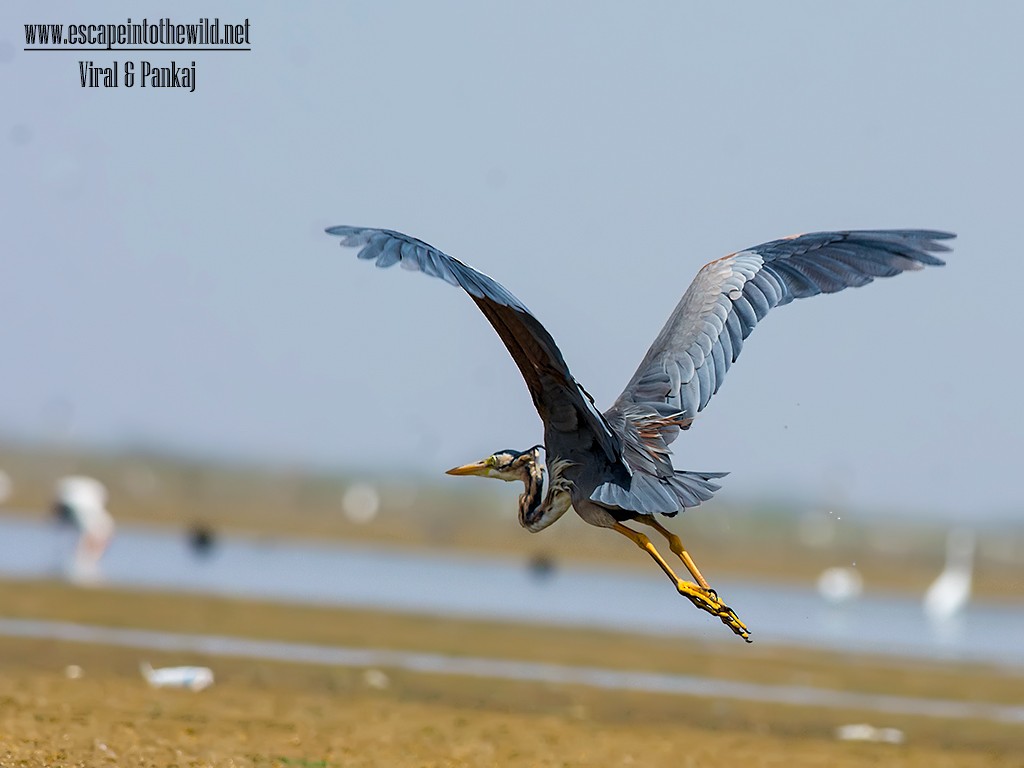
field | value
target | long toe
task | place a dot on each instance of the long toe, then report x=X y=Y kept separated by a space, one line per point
x=708 y=600
x=732 y=621
x=727 y=615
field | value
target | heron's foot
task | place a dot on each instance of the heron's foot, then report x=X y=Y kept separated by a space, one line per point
x=707 y=600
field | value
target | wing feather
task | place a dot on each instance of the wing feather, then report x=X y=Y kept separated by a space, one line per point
x=561 y=402
x=703 y=337
x=731 y=295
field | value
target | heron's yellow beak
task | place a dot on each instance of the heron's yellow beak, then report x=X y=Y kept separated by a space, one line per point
x=480 y=468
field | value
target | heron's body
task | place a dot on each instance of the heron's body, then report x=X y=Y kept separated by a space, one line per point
x=614 y=467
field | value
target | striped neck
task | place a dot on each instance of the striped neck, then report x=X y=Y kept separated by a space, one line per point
x=533 y=477
x=540 y=507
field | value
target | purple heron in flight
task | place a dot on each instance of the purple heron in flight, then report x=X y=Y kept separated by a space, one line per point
x=615 y=467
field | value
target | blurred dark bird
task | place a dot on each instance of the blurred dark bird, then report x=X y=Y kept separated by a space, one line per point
x=541 y=566
x=201 y=540
x=615 y=466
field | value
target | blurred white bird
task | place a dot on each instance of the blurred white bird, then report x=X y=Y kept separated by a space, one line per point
x=82 y=501
x=838 y=585
x=950 y=592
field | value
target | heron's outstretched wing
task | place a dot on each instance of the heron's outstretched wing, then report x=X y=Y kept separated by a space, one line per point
x=703 y=337
x=561 y=402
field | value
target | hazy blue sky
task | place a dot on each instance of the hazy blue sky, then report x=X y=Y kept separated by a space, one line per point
x=164 y=277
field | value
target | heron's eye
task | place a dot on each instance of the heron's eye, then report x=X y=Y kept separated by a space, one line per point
x=491 y=462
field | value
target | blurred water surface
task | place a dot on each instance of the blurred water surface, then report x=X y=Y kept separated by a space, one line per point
x=473 y=586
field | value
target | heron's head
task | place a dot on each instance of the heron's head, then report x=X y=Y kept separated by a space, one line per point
x=507 y=465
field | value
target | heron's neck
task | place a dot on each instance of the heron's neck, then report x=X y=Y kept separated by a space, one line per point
x=540 y=507
x=533 y=493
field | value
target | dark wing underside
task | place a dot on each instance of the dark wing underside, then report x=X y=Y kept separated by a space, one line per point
x=703 y=337
x=562 y=403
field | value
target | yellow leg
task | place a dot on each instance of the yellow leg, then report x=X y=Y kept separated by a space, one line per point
x=702 y=597
x=676 y=545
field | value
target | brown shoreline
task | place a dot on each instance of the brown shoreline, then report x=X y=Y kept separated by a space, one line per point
x=277 y=714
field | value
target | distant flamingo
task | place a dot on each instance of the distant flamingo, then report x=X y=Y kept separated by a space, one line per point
x=83 y=501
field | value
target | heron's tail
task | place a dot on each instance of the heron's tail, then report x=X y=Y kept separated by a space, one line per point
x=649 y=495
x=691 y=488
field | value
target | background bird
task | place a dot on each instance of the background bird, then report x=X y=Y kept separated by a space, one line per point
x=949 y=594
x=615 y=466
x=82 y=501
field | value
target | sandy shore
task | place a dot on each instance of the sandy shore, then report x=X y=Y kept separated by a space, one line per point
x=276 y=714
